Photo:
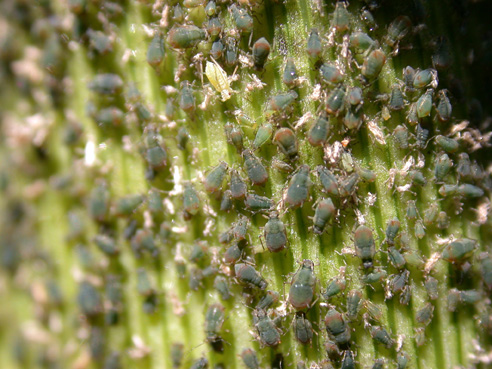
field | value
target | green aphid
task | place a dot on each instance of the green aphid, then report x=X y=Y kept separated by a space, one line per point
x=263 y=135
x=432 y=287
x=217 y=50
x=301 y=292
x=421 y=136
x=303 y=329
x=213 y=180
x=396 y=101
x=325 y=211
x=267 y=301
x=240 y=228
x=470 y=296
x=442 y=220
x=143 y=113
x=354 y=298
x=318 y=133
x=106 y=244
x=195 y=282
x=231 y=53
x=298 y=191
x=402 y=360
x=397 y=30
x=237 y=186
x=337 y=328
x=130 y=229
x=261 y=50
x=268 y=333
x=281 y=102
x=182 y=37
x=201 y=363
x=335 y=286
x=443 y=165
x=424 y=104
x=366 y=174
x=348 y=361
x=314 y=44
x=400 y=135
x=396 y=257
x=213 y=27
x=289 y=76
x=128 y=204
x=186 y=97
x=354 y=96
x=244 y=21
x=361 y=41
x=373 y=64
x=486 y=270
x=381 y=335
x=332 y=350
x=100 y=42
x=453 y=299
x=214 y=319
x=287 y=142
x=256 y=202
x=199 y=253
x=348 y=185
x=424 y=77
x=156 y=155
x=275 y=234
x=89 y=299
x=470 y=191
x=156 y=51
x=226 y=202
x=154 y=202
x=392 y=229
x=353 y=118
x=250 y=359
x=417 y=177
x=464 y=167
x=233 y=253
x=222 y=287
x=334 y=100
x=247 y=274
x=106 y=84
x=398 y=282
x=424 y=315
x=447 y=144
x=411 y=212
x=458 y=251
x=331 y=73
x=257 y=173
x=364 y=245
x=444 y=108
x=375 y=276
x=328 y=181
x=341 y=17
x=144 y=241
x=191 y=201
x=430 y=214
x=211 y=8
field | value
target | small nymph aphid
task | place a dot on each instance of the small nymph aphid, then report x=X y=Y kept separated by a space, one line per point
x=219 y=79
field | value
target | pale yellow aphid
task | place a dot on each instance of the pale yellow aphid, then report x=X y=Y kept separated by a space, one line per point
x=219 y=79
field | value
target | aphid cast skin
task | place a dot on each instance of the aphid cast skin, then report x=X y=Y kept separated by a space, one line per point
x=219 y=79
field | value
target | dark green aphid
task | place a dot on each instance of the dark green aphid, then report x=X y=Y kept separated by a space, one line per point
x=250 y=359
x=287 y=142
x=361 y=41
x=155 y=155
x=89 y=299
x=222 y=287
x=128 y=204
x=382 y=336
x=330 y=73
x=191 y=201
x=201 y=363
x=424 y=104
x=402 y=360
x=275 y=234
x=270 y=298
x=324 y=212
x=364 y=245
x=373 y=64
x=235 y=137
x=261 y=50
x=214 y=319
x=424 y=315
x=422 y=78
x=332 y=350
x=256 y=202
x=408 y=76
x=348 y=361
x=213 y=180
x=100 y=42
x=392 y=229
x=298 y=191
x=486 y=270
x=268 y=333
x=247 y=275
x=398 y=30
x=263 y=134
x=237 y=187
x=143 y=113
x=447 y=144
x=182 y=138
x=99 y=202
x=334 y=100
x=257 y=173
x=226 y=201
x=177 y=351
x=289 y=77
x=186 y=97
x=282 y=101
x=442 y=166
x=411 y=212
x=213 y=27
x=396 y=257
x=470 y=296
x=464 y=168
x=399 y=282
x=396 y=101
x=348 y=185
x=341 y=17
x=318 y=133
x=199 y=252
x=328 y=180
x=335 y=286
x=231 y=52
x=458 y=251
x=444 y=108
x=354 y=299
x=432 y=287
x=375 y=276
x=314 y=44
x=233 y=253
x=240 y=228
x=244 y=21
x=182 y=37
x=417 y=177
x=354 y=96
x=154 y=202
x=196 y=279
x=470 y=191
x=106 y=244
x=303 y=329
x=106 y=84
x=217 y=50
x=301 y=292
x=156 y=51
x=337 y=328
x=421 y=136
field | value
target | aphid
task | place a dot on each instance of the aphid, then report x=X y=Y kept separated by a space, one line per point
x=459 y=250
x=250 y=359
x=237 y=187
x=486 y=270
x=368 y=19
x=396 y=257
x=219 y=79
x=156 y=51
x=398 y=282
x=303 y=329
x=110 y=116
x=373 y=64
x=182 y=37
x=334 y=100
x=217 y=50
x=412 y=117
x=298 y=191
x=366 y=174
x=270 y=298
x=289 y=77
x=154 y=202
x=424 y=77
x=411 y=212
x=106 y=244
x=301 y=292
x=354 y=96
x=318 y=133
x=442 y=166
x=314 y=44
x=431 y=286
x=214 y=179
x=332 y=350
x=211 y=8
x=263 y=134
x=361 y=41
x=268 y=333
x=247 y=275
x=324 y=212
x=328 y=180
x=128 y=204
x=447 y=144
x=231 y=52
x=256 y=202
x=442 y=220
x=424 y=315
x=226 y=201
x=330 y=73
x=421 y=136
x=382 y=336
x=337 y=328
x=408 y=77
x=348 y=185
x=341 y=17
x=424 y=104
x=444 y=108
x=214 y=319
x=402 y=360
x=240 y=228
x=100 y=42
x=392 y=229
x=196 y=279
x=470 y=296
x=464 y=168
x=398 y=30
x=287 y=142
x=364 y=245
x=281 y=165
x=226 y=237
x=348 y=361
x=257 y=173
x=275 y=234
x=417 y=177
x=199 y=252
x=222 y=287
x=213 y=26
x=470 y=191
x=89 y=299
x=233 y=253
x=244 y=21
x=261 y=50
x=201 y=363
x=191 y=201
x=354 y=299
x=454 y=298
x=186 y=97
x=235 y=137
x=282 y=101
x=335 y=286
x=156 y=155
x=406 y=295
x=396 y=101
